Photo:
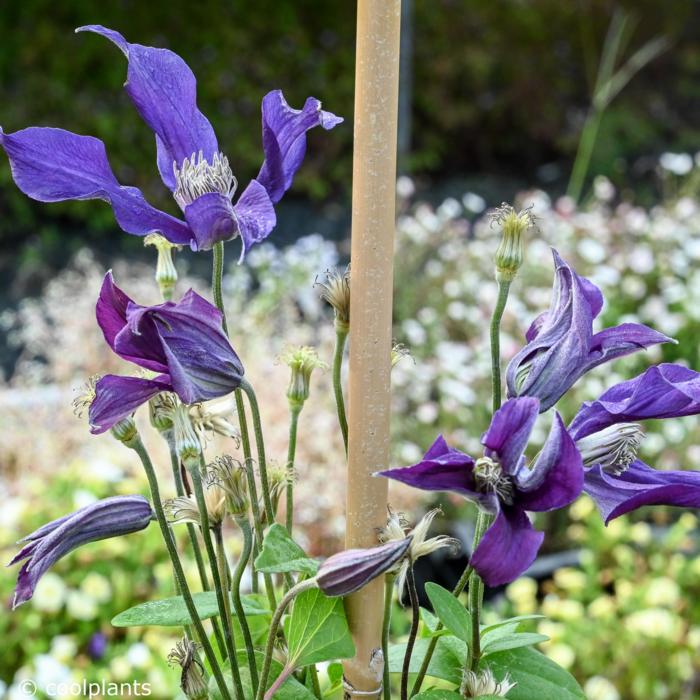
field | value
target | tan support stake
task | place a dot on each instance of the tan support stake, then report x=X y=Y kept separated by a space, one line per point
x=373 y=223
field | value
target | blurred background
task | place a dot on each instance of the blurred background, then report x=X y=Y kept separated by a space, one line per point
x=588 y=111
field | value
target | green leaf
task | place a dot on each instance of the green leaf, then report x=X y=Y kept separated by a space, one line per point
x=317 y=630
x=172 y=612
x=438 y=694
x=447 y=662
x=536 y=675
x=513 y=641
x=509 y=621
x=291 y=689
x=281 y=554
x=451 y=612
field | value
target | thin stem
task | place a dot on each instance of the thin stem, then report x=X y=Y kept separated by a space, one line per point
x=216 y=280
x=415 y=617
x=503 y=288
x=476 y=596
x=236 y=595
x=340 y=338
x=277 y=684
x=456 y=592
x=260 y=444
x=294 y=411
x=221 y=592
x=274 y=627
x=386 y=627
x=314 y=681
x=140 y=450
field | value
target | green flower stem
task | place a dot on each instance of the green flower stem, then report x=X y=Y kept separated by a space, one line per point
x=386 y=628
x=274 y=627
x=456 y=592
x=216 y=280
x=341 y=336
x=503 y=289
x=313 y=673
x=140 y=450
x=415 y=618
x=221 y=592
x=236 y=595
x=476 y=596
x=260 y=444
x=294 y=411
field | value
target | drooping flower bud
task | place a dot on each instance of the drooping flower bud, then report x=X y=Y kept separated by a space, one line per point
x=614 y=448
x=302 y=362
x=125 y=430
x=509 y=255
x=193 y=680
x=187 y=444
x=166 y=274
x=348 y=571
x=484 y=683
x=335 y=289
x=230 y=475
x=161 y=409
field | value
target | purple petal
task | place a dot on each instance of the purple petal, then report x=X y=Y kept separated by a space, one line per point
x=556 y=477
x=284 y=139
x=164 y=92
x=662 y=391
x=53 y=165
x=507 y=548
x=142 y=348
x=510 y=430
x=212 y=219
x=255 y=216
x=640 y=485
x=118 y=397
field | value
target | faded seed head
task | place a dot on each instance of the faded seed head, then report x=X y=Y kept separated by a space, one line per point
x=335 y=289
x=302 y=362
x=231 y=476
x=509 y=255
x=193 y=680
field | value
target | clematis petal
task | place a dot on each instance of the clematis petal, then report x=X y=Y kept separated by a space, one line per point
x=507 y=548
x=640 y=485
x=164 y=92
x=142 y=348
x=118 y=397
x=509 y=432
x=212 y=219
x=556 y=477
x=255 y=216
x=662 y=391
x=284 y=139
x=54 y=165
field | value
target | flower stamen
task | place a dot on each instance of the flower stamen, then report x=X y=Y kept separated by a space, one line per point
x=489 y=478
x=614 y=448
x=197 y=177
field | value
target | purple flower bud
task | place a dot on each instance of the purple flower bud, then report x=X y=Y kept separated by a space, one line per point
x=110 y=517
x=348 y=571
x=97 y=646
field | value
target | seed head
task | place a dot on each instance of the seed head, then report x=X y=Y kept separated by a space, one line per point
x=193 y=680
x=231 y=477
x=476 y=685
x=509 y=256
x=335 y=289
x=302 y=362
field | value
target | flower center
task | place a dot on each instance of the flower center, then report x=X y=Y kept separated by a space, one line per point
x=614 y=447
x=489 y=478
x=196 y=177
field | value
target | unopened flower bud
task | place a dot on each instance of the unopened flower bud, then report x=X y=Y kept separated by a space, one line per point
x=166 y=274
x=348 y=571
x=193 y=680
x=484 y=683
x=335 y=289
x=161 y=410
x=187 y=445
x=509 y=255
x=231 y=476
x=302 y=362
x=125 y=430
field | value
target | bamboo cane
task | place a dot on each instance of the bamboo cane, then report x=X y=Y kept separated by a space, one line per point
x=373 y=222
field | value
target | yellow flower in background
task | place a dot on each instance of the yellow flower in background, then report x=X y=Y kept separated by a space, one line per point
x=581 y=508
x=656 y=623
x=97 y=587
x=562 y=654
x=662 y=592
x=640 y=533
x=81 y=606
x=599 y=688
x=522 y=593
x=570 y=579
x=560 y=609
x=602 y=607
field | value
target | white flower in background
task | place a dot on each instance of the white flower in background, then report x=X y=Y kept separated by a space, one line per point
x=49 y=670
x=139 y=655
x=64 y=648
x=97 y=587
x=676 y=163
x=474 y=203
x=82 y=498
x=81 y=606
x=50 y=593
x=599 y=688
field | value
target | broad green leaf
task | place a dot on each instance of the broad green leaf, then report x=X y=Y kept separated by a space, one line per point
x=172 y=612
x=438 y=694
x=335 y=677
x=503 y=629
x=281 y=554
x=509 y=621
x=536 y=675
x=451 y=612
x=513 y=641
x=447 y=662
x=291 y=689
x=317 y=630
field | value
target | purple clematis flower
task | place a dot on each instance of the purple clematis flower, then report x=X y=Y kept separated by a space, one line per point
x=503 y=484
x=53 y=165
x=183 y=342
x=561 y=345
x=608 y=437
x=110 y=517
